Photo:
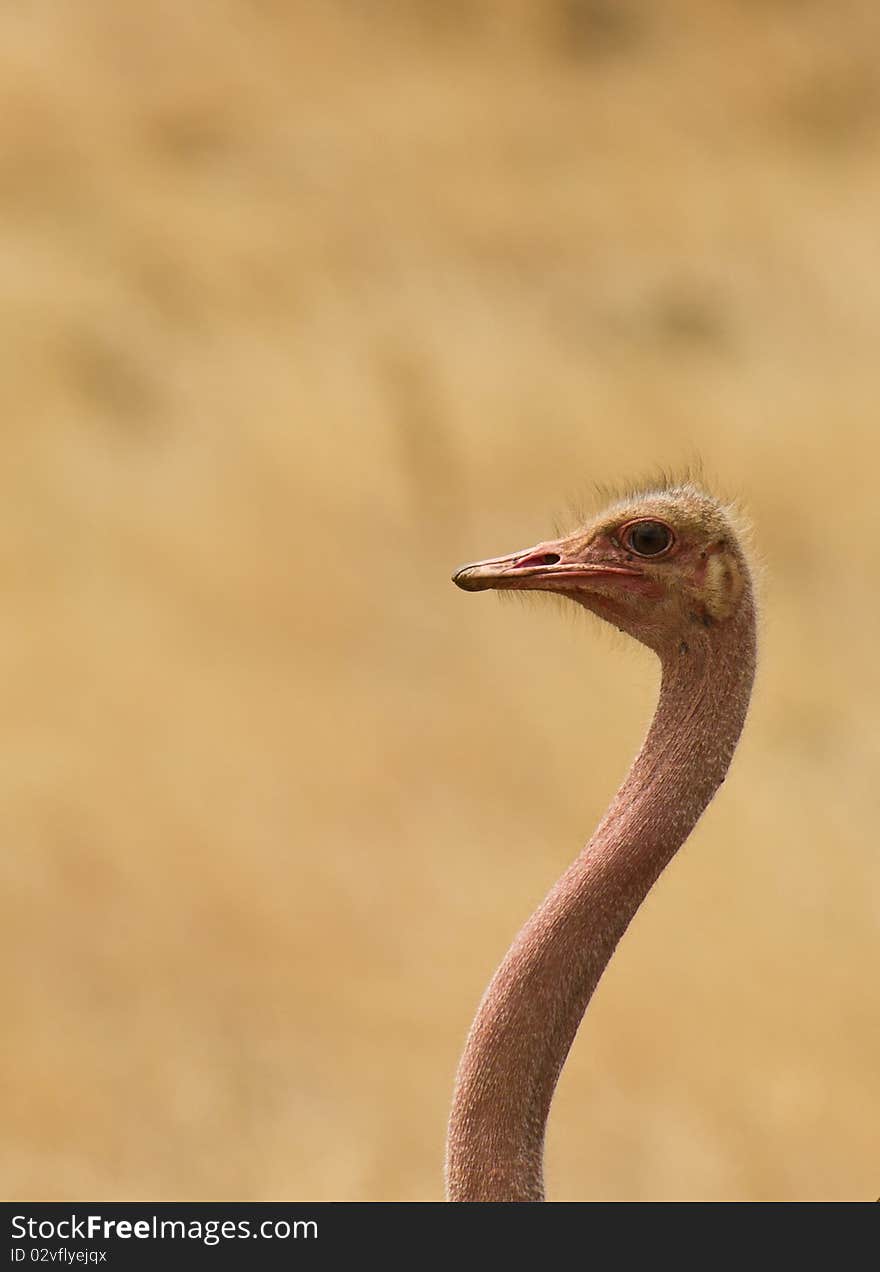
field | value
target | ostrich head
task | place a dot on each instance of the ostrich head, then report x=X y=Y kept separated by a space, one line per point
x=664 y=566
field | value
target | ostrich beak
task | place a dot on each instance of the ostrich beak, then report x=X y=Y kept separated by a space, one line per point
x=546 y=567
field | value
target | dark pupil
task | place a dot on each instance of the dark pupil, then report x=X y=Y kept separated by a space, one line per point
x=649 y=538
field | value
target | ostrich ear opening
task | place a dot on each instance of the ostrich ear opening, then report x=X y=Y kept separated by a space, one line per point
x=723 y=585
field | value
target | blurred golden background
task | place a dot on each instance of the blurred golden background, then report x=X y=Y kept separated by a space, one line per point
x=302 y=306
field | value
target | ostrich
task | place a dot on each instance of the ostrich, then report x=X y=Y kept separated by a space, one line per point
x=667 y=567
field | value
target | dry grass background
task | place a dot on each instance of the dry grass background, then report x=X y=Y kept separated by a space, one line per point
x=302 y=305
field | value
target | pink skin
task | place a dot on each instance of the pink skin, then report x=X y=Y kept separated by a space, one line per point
x=706 y=642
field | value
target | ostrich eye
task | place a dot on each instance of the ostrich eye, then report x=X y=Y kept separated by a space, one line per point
x=648 y=538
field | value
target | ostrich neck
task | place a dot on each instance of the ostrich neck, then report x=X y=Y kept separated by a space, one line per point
x=531 y=1011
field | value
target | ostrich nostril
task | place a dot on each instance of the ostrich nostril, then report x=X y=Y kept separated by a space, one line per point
x=538 y=558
